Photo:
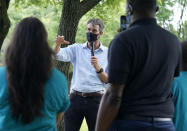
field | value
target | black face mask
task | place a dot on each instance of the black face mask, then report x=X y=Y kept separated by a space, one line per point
x=91 y=37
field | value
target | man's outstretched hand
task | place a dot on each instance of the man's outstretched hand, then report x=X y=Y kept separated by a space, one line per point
x=58 y=42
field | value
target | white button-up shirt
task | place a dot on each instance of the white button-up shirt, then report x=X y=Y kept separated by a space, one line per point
x=85 y=79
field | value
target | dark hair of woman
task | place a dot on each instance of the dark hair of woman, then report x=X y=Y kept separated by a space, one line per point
x=29 y=63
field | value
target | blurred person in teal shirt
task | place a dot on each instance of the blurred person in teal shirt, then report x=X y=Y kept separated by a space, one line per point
x=33 y=94
x=180 y=94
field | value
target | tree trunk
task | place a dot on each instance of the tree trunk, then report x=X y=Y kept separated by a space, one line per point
x=4 y=20
x=183 y=4
x=72 y=12
x=68 y=28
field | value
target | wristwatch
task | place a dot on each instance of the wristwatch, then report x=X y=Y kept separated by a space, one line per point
x=100 y=71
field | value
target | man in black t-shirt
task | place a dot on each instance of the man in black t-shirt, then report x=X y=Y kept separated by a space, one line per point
x=142 y=63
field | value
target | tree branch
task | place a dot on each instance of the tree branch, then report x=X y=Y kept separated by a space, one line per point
x=87 y=5
x=183 y=3
x=4 y=20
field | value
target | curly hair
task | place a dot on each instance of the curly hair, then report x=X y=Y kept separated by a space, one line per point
x=29 y=63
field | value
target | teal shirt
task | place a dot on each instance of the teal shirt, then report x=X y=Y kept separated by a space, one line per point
x=55 y=101
x=179 y=90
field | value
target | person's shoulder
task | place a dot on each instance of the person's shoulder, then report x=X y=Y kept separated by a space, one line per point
x=181 y=77
x=177 y=79
x=57 y=80
x=57 y=75
x=2 y=70
x=121 y=38
x=56 y=91
x=2 y=74
x=168 y=34
x=179 y=83
x=133 y=30
x=77 y=45
x=183 y=74
x=167 y=31
x=105 y=48
x=73 y=45
x=127 y=34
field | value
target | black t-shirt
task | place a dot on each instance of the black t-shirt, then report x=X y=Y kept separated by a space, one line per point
x=145 y=58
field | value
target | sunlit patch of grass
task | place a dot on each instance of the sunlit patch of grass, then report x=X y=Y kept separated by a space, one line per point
x=84 y=126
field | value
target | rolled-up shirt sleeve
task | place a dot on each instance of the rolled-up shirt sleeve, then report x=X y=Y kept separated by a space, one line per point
x=67 y=54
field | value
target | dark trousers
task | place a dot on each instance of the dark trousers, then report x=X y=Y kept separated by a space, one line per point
x=79 y=108
x=132 y=125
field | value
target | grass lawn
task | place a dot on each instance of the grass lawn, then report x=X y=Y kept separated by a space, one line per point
x=84 y=126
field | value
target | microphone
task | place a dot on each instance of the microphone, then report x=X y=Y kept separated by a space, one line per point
x=92 y=48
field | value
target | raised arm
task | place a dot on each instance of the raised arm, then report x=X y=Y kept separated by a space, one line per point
x=58 y=42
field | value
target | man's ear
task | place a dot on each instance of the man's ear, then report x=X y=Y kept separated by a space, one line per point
x=130 y=9
x=101 y=33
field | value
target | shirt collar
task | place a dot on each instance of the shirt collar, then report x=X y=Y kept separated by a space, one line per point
x=144 y=21
x=101 y=47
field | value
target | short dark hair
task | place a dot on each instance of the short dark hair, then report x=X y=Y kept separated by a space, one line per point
x=143 y=5
x=184 y=52
x=96 y=21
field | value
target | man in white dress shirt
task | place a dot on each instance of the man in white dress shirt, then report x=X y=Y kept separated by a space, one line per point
x=89 y=75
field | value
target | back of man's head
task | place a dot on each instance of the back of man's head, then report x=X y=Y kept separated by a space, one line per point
x=143 y=6
x=184 y=55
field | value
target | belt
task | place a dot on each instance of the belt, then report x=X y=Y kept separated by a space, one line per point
x=83 y=94
x=144 y=118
